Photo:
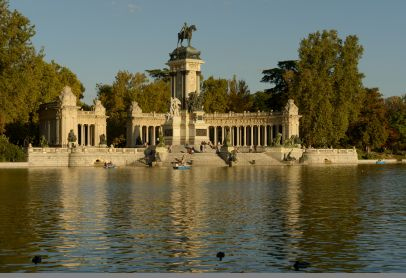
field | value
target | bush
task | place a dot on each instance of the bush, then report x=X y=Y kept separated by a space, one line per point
x=10 y=152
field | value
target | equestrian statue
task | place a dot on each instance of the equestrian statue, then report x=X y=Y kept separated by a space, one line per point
x=186 y=33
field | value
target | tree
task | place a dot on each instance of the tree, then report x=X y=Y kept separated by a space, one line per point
x=16 y=54
x=128 y=87
x=215 y=98
x=281 y=80
x=160 y=74
x=260 y=101
x=396 y=115
x=240 y=99
x=369 y=131
x=26 y=80
x=327 y=87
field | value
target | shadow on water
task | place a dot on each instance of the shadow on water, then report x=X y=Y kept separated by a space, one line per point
x=340 y=219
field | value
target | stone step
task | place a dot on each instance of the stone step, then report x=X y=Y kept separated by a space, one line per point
x=260 y=159
x=208 y=159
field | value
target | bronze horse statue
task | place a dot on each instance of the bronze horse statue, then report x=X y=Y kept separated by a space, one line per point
x=186 y=34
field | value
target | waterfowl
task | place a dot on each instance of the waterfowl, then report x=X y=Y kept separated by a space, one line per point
x=220 y=255
x=298 y=265
x=37 y=259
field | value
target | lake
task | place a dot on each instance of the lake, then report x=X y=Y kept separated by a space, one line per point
x=337 y=218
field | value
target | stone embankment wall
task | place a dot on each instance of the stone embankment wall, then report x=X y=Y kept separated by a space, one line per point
x=327 y=156
x=82 y=156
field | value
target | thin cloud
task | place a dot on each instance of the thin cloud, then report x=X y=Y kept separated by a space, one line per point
x=132 y=8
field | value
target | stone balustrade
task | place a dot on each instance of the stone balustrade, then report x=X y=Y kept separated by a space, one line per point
x=80 y=149
x=332 y=151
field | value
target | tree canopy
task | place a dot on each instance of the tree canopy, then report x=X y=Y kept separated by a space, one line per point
x=26 y=79
x=281 y=80
x=152 y=96
x=327 y=86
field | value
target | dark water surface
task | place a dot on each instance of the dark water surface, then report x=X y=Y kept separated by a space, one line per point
x=340 y=219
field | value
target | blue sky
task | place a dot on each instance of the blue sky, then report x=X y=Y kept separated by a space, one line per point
x=97 y=38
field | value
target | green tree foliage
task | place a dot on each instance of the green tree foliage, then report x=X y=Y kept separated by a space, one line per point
x=260 y=102
x=240 y=99
x=160 y=74
x=10 y=152
x=369 y=131
x=281 y=80
x=128 y=87
x=396 y=115
x=327 y=87
x=26 y=80
x=215 y=97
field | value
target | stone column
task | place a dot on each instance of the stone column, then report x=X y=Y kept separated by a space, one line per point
x=252 y=135
x=57 y=132
x=266 y=136
x=283 y=133
x=183 y=100
x=141 y=134
x=238 y=136
x=215 y=135
x=147 y=138
x=153 y=135
x=88 y=135
x=271 y=133
x=246 y=136
x=231 y=135
x=82 y=134
x=198 y=82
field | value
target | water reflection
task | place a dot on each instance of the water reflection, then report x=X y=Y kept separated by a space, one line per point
x=158 y=220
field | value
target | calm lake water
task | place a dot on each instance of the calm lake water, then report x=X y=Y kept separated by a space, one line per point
x=339 y=219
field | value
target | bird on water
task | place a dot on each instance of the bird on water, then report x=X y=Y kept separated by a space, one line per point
x=220 y=255
x=298 y=265
x=37 y=259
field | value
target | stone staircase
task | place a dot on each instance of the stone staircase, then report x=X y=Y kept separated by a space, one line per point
x=258 y=159
x=210 y=158
x=198 y=159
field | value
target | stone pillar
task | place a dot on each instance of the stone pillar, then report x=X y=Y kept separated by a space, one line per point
x=252 y=135
x=153 y=135
x=82 y=143
x=215 y=135
x=283 y=132
x=88 y=135
x=259 y=135
x=57 y=131
x=231 y=135
x=183 y=100
x=147 y=135
x=238 y=135
x=246 y=136
x=141 y=134
x=266 y=136
x=198 y=82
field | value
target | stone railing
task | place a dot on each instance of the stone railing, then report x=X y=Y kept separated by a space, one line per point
x=330 y=151
x=150 y=115
x=79 y=149
x=47 y=150
x=247 y=114
x=323 y=156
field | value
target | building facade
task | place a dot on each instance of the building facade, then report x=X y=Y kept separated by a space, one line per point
x=58 y=118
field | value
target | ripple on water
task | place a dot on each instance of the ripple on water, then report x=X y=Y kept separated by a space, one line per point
x=341 y=219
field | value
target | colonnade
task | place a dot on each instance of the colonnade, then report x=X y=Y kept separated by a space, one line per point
x=259 y=135
x=149 y=134
x=86 y=135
